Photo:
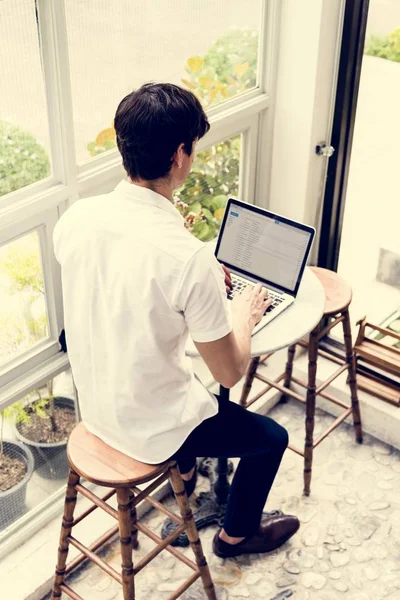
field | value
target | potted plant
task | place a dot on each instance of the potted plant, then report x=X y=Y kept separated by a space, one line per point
x=16 y=468
x=46 y=429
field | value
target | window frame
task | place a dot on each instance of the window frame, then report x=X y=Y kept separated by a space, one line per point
x=42 y=203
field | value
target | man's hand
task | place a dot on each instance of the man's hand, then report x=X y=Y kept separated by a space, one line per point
x=251 y=304
x=228 y=280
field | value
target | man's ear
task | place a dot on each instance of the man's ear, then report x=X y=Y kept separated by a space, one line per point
x=179 y=155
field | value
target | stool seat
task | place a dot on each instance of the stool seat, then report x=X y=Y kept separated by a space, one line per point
x=99 y=463
x=338 y=293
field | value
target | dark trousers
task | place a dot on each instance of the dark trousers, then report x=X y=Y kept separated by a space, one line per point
x=258 y=441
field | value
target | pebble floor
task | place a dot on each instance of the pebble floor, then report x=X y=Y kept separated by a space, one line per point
x=348 y=546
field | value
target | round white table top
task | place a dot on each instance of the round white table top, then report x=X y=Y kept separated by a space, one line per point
x=292 y=324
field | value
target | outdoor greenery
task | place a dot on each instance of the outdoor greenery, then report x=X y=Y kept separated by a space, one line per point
x=22 y=159
x=228 y=68
x=25 y=321
x=387 y=46
x=214 y=176
x=15 y=414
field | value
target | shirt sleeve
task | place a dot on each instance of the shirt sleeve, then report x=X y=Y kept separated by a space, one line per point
x=202 y=298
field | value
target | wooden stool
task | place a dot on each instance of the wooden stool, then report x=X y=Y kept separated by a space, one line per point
x=94 y=460
x=338 y=297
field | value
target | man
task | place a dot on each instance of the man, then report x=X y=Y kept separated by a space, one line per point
x=136 y=283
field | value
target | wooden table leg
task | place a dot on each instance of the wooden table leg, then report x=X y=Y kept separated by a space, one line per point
x=310 y=408
x=288 y=370
x=251 y=371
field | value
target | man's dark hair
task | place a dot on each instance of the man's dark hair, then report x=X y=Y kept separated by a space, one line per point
x=152 y=122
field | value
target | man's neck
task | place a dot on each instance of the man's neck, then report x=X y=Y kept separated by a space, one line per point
x=159 y=186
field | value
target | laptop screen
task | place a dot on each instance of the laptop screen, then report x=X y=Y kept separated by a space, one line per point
x=264 y=246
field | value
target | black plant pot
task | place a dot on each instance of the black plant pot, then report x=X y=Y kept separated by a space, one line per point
x=51 y=460
x=12 y=502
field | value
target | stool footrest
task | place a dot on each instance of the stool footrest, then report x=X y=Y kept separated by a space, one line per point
x=93 y=547
x=96 y=559
x=159 y=548
x=327 y=382
x=279 y=387
x=184 y=586
x=326 y=330
x=70 y=592
x=142 y=494
x=170 y=549
x=92 y=508
x=335 y=424
x=96 y=500
x=157 y=505
x=322 y=394
x=295 y=449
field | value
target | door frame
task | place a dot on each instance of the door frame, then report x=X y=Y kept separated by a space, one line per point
x=345 y=107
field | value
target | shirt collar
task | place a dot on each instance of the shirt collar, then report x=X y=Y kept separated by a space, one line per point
x=143 y=195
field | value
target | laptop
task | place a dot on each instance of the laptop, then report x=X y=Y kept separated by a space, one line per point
x=259 y=246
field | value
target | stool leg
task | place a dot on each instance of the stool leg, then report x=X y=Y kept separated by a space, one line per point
x=134 y=530
x=191 y=531
x=68 y=518
x=288 y=370
x=310 y=408
x=124 y=518
x=251 y=371
x=352 y=380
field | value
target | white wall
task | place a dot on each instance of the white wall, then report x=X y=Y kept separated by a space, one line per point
x=308 y=46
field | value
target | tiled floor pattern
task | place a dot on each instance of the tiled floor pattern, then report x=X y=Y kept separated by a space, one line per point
x=348 y=546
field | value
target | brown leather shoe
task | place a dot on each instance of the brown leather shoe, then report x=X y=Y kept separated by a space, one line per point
x=273 y=532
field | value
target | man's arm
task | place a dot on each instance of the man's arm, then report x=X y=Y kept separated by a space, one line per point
x=228 y=357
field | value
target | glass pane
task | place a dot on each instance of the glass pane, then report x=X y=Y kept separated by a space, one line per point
x=210 y=47
x=370 y=243
x=24 y=134
x=33 y=443
x=23 y=315
x=214 y=177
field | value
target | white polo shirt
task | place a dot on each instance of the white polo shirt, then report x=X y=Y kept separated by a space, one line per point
x=135 y=283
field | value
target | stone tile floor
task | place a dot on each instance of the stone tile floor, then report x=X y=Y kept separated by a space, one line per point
x=348 y=546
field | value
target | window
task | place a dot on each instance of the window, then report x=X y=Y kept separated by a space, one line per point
x=23 y=314
x=33 y=447
x=24 y=131
x=214 y=177
x=64 y=67
x=209 y=47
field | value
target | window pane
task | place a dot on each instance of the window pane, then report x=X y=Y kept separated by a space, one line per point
x=23 y=315
x=24 y=134
x=33 y=457
x=214 y=177
x=210 y=47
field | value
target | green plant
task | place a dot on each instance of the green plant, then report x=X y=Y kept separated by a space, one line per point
x=15 y=413
x=387 y=46
x=22 y=159
x=21 y=268
x=228 y=68
x=104 y=142
x=214 y=175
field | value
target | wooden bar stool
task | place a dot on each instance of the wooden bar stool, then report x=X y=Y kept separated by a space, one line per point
x=338 y=297
x=97 y=462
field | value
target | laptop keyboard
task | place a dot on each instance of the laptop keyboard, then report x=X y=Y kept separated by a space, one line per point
x=239 y=284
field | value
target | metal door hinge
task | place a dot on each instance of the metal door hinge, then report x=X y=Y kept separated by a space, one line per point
x=323 y=150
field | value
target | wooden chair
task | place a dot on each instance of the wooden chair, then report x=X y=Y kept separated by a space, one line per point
x=381 y=356
x=97 y=462
x=338 y=297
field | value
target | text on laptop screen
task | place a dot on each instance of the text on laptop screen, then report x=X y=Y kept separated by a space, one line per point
x=263 y=246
